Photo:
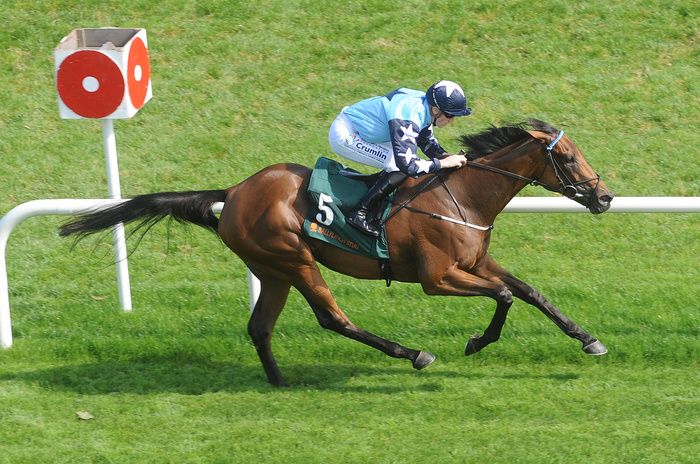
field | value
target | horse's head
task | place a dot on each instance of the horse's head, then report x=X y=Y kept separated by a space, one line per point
x=561 y=168
x=567 y=172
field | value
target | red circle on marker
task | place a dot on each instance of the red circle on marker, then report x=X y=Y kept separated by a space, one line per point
x=138 y=80
x=83 y=64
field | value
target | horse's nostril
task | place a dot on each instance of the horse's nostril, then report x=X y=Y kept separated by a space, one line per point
x=605 y=199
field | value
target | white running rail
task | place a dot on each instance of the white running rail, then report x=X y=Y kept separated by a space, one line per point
x=518 y=205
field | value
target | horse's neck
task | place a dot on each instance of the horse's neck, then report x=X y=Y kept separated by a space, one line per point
x=488 y=192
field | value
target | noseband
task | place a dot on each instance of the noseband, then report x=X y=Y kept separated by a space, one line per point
x=567 y=187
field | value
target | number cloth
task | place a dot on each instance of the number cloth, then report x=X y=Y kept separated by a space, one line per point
x=334 y=190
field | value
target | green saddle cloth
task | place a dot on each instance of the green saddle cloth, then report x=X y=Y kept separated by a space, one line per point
x=335 y=189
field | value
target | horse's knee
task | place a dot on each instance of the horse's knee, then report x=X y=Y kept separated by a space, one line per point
x=326 y=320
x=505 y=296
x=260 y=334
x=330 y=321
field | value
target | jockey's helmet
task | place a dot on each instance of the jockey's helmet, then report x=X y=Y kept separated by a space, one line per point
x=448 y=97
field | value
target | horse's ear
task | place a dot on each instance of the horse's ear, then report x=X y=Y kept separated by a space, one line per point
x=541 y=136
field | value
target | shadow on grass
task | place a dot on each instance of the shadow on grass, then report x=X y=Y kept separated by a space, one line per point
x=192 y=375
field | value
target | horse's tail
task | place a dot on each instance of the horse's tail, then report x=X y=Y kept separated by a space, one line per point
x=194 y=207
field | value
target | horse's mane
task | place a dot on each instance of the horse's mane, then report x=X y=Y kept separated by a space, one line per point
x=495 y=138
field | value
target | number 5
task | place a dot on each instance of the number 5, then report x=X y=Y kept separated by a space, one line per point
x=327 y=218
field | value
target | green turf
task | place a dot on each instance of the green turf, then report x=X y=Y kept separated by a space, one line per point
x=240 y=85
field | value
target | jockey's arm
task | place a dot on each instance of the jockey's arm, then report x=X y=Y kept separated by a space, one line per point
x=427 y=142
x=404 y=138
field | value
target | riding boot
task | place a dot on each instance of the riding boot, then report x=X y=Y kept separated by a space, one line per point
x=386 y=184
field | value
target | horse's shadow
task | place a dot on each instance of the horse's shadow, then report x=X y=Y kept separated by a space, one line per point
x=196 y=376
x=143 y=376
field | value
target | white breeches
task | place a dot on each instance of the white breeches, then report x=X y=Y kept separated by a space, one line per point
x=346 y=142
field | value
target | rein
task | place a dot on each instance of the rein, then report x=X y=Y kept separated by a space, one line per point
x=566 y=187
x=421 y=189
x=486 y=167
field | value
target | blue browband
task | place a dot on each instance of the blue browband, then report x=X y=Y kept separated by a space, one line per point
x=555 y=141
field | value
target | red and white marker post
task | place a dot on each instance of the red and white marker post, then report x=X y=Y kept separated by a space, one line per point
x=105 y=74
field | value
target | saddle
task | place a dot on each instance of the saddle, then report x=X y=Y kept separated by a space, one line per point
x=334 y=190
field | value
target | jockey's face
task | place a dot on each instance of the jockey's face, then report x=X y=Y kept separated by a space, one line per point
x=440 y=119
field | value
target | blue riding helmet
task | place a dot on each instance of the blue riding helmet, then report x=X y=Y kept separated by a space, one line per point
x=449 y=98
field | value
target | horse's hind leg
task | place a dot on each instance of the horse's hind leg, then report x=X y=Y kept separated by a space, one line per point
x=311 y=285
x=273 y=296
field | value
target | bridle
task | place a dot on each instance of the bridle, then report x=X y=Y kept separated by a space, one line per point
x=566 y=187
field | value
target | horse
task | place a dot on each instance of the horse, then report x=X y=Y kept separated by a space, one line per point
x=438 y=233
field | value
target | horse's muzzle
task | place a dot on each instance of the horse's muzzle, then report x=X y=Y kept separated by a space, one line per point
x=600 y=203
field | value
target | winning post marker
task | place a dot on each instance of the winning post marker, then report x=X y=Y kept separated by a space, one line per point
x=105 y=74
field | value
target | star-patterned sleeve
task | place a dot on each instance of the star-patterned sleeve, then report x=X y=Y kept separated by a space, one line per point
x=404 y=141
x=428 y=143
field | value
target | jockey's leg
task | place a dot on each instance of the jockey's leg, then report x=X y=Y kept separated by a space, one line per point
x=347 y=142
x=387 y=183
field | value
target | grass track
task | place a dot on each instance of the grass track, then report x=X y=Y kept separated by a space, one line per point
x=238 y=86
x=450 y=415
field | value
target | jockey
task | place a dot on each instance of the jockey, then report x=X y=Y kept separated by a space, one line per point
x=386 y=132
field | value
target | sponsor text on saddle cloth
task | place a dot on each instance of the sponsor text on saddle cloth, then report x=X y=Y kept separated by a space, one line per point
x=335 y=189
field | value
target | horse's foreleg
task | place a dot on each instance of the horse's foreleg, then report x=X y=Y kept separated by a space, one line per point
x=530 y=295
x=273 y=296
x=457 y=282
x=525 y=292
x=312 y=286
x=492 y=332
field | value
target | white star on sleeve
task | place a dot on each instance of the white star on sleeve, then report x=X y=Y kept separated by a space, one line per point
x=408 y=156
x=424 y=166
x=408 y=133
x=449 y=87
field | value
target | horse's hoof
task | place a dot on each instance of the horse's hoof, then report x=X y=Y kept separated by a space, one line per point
x=277 y=381
x=470 y=347
x=595 y=349
x=424 y=359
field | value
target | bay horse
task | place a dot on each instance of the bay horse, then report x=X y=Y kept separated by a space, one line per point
x=438 y=234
